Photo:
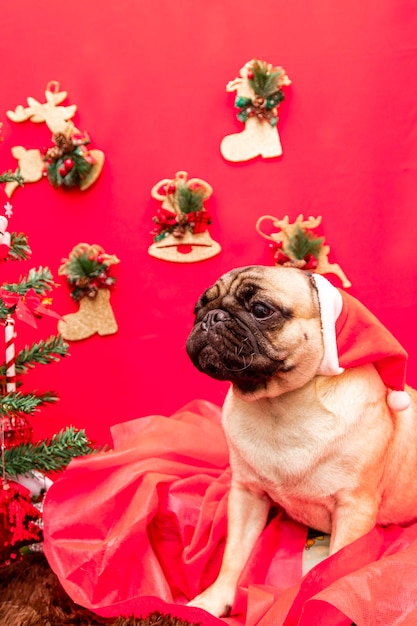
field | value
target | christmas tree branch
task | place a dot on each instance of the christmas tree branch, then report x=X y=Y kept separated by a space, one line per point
x=25 y=403
x=47 y=455
x=19 y=247
x=40 y=280
x=43 y=352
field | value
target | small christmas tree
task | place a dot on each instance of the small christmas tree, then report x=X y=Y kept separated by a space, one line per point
x=26 y=301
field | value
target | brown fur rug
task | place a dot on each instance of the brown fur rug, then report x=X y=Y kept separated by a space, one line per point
x=31 y=595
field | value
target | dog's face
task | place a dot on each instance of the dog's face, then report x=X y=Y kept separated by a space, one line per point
x=258 y=327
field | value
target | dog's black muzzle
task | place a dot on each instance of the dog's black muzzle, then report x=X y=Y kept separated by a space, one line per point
x=225 y=348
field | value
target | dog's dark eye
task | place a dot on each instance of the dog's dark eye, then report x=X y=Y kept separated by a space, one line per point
x=261 y=311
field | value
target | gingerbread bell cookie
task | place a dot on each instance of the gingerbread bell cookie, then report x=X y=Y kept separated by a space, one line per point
x=181 y=226
x=88 y=270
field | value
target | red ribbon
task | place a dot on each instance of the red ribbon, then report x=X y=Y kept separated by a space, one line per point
x=199 y=219
x=166 y=218
x=27 y=306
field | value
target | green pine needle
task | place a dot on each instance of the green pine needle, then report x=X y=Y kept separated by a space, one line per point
x=303 y=243
x=75 y=176
x=43 y=352
x=83 y=267
x=4 y=310
x=189 y=200
x=264 y=83
x=19 y=248
x=40 y=280
x=24 y=403
x=48 y=455
x=9 y=177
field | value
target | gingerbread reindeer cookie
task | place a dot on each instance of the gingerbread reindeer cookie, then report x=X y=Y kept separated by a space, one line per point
x=69 y=162
x=295 y=244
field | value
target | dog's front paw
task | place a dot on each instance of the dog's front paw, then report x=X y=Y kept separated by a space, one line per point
x=215 y=600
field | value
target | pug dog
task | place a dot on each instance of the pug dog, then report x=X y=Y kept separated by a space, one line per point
x=320 y=441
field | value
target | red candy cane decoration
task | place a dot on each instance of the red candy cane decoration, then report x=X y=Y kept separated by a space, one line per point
x=10 y=354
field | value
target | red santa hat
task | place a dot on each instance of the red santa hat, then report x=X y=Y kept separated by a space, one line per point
x=353 y=336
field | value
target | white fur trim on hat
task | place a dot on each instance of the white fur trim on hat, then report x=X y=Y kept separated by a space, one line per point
x=331 y=304
x=398 y=400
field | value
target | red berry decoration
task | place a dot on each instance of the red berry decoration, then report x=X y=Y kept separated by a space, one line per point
x=69 y=164
x=276 y=245
x=281 y=258
x=311 y=262
x=171 y=188
x=62 y=170
x=250 y=74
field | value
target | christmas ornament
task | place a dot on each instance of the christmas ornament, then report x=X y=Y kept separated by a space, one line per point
x=88 y=275
x=181 y=223
x=68 y=163
x=17 y=429
x=19 y=521
x=258 y=95
x=296 y=245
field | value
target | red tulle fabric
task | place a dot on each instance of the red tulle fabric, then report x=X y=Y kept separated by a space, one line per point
x=142 y=528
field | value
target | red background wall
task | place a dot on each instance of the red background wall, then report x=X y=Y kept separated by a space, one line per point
x=149 y=81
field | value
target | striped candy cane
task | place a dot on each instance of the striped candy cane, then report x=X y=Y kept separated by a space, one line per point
x=10 y=354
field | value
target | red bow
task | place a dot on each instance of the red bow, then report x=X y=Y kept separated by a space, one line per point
x=199 y=219
x=165 y=218
x=27 y=305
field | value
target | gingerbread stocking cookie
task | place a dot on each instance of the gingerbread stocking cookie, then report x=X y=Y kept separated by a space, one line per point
x=258 y=95
x=88 y=274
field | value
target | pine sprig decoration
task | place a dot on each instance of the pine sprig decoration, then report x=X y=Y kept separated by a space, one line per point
x=10 y=177
x=88 y=269
x=49 y=455
x=59 y=177
x=190 y=200
x=19 y=247
x=86 y=275
x=265 y=80
x=84 y=266
x=4 y=310
x=68 y=161
x=302 y=243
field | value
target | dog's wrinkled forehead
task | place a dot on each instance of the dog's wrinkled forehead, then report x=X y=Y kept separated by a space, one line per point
x=287 y=286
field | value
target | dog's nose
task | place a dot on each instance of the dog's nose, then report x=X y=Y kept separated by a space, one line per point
x=214 y=317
